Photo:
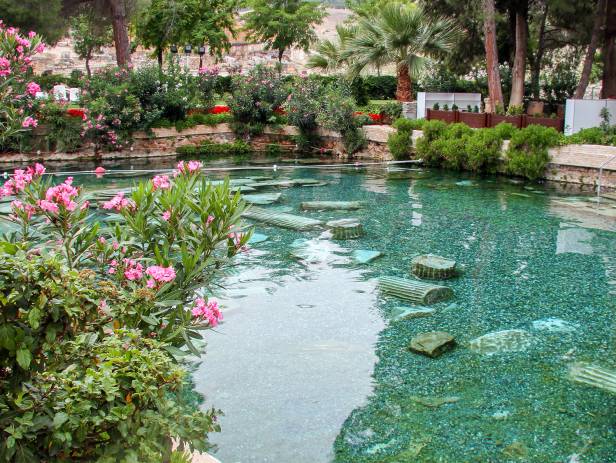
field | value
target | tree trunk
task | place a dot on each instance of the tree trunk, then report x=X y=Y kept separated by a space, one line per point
x=403 y=87
x=88 y=58
x=119 y=22
x=538 y=58
x=159 y=57
x=280 y=55
x=598 y=26
x=519 y=61
x=489 y=31
x=609 y=52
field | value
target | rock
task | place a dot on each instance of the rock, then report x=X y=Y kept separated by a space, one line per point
x=502 y=341
x=364 y=256
x=330 y=205
x=555 y=325
x=434 y=402
x=406 y=313
x=257 y=238
x=516 y=450
x=262 y=199
x=345 y=229
x=432 y=344
x=433 y=267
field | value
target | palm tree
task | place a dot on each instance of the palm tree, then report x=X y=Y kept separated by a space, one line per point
x=400 y=35
x=328 y=53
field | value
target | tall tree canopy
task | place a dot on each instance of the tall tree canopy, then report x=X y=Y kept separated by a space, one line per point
x=42 y=16
x=196 y=22
x=283 y=24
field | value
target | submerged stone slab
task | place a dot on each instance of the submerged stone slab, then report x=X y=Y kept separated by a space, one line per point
x=418 y=292
x=345 y=229
x=331 y=205
x=279 y=219
x=432 y=344
x=262 y=199
x=502 y=341
x=406 y=313
x=257 y=238
x=433 y=267
x=364 y=256
x=555 y=325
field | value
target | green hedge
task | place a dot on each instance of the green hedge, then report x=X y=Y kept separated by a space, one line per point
x=209 y=148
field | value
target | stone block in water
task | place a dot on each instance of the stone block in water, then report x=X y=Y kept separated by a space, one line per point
x=432 y=344
x=502 y=342
x=257 y=238
x=407 y=313
x=279 y=219
x=262 y=199
x=433 y=267
x=364 y=256
x=345 y=229
x=593 y=375
x=418 y=292
x=330 y=205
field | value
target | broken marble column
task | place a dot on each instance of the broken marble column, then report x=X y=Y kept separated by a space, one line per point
x=345 y=229
x=433 y=267
x=415 y=291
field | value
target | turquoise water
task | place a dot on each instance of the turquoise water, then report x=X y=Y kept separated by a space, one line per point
x=310 y=365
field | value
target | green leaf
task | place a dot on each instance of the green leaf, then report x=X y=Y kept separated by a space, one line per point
x=24 y=357
x=59 y=419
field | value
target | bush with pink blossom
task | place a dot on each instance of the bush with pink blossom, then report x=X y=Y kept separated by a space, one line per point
x=17 y=91
x=120 y=300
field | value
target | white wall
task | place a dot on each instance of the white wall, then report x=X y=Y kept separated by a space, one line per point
x=583 y=114
x=426 y=100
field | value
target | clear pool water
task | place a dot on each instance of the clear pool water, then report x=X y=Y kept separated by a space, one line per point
x=310 y=366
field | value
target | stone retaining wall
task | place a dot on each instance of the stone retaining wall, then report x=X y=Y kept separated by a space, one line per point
x=578 y=164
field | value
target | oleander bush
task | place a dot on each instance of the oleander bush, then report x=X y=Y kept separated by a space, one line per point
x=338 y=112
x=96 y=317
x=255 y=99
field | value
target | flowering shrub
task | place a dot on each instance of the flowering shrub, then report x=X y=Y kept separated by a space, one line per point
x=220 y=109
x=254 y=99
x=17 y=104
x=338 y=113
x=93 y=318
x=302 y=107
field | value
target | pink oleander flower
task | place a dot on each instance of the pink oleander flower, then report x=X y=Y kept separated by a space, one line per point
x=134 y=270
x=29 y=210
x=31 y=34
x=63 y=195
x=29 y=122
x=207 y=311
x=188 y=167
x=161 y=274
x=102 y=240
x=118 y=203
x=32 y=88
x=48 y=206
x=161 y=182
x=210 y=219
x=99 y=171
x=166 y=216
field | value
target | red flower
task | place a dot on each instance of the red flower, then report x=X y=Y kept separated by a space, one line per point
x=280 y=111
x=375 y=117
x=76 y=112
x=220 y=109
